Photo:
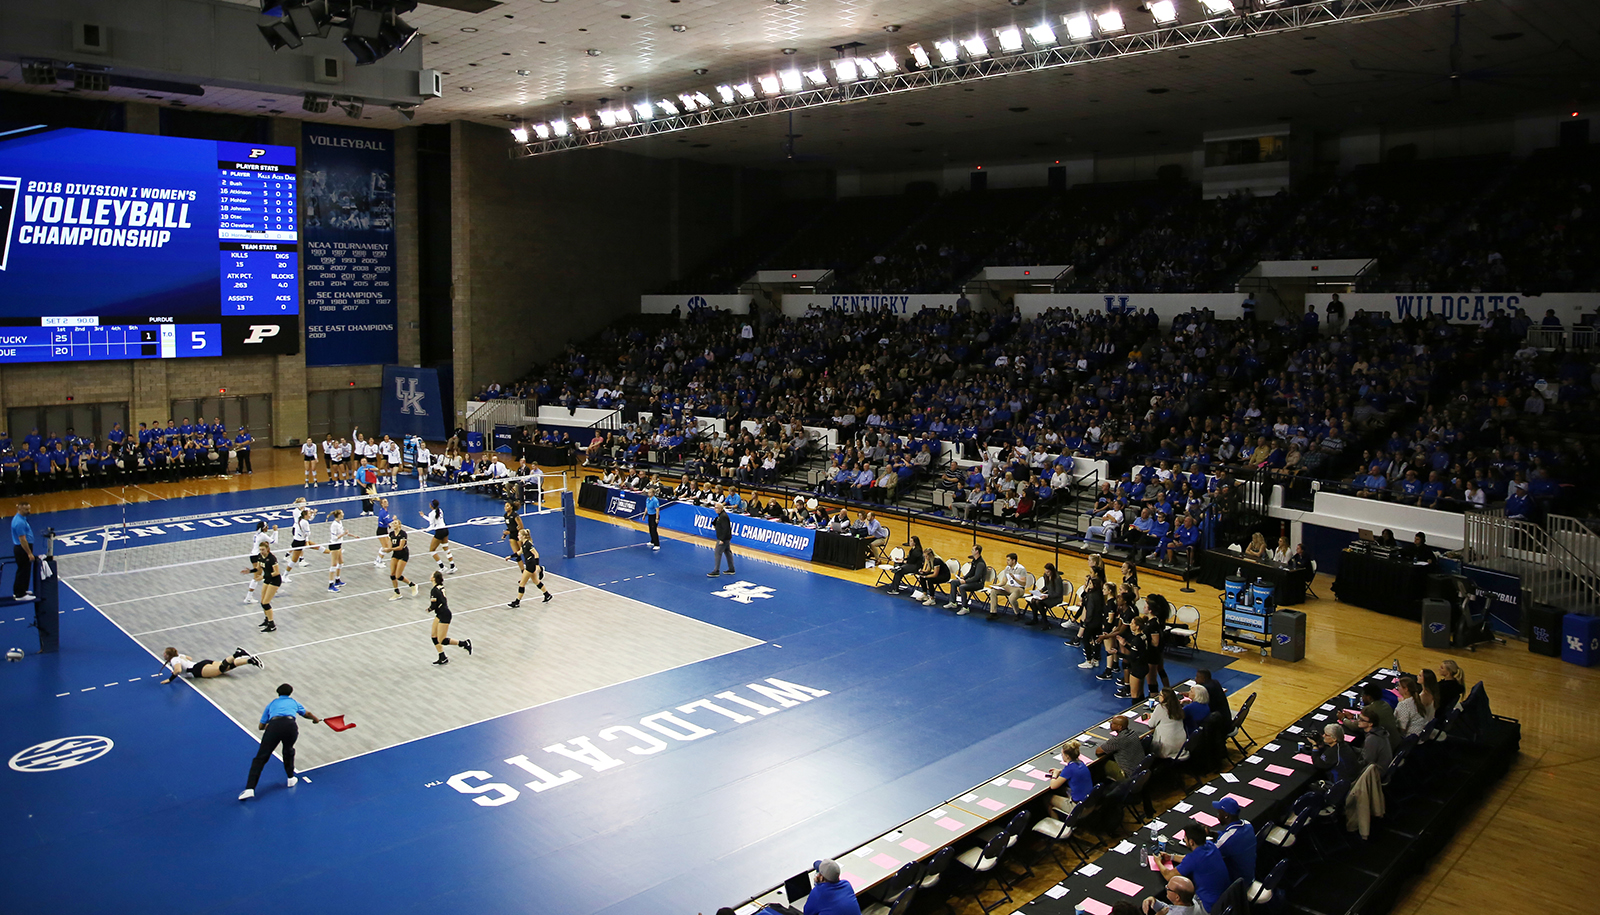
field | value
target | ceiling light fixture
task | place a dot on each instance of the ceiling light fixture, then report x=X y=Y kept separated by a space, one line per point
x=844 y=69
x=974 y=46
x=869 y=70
x=726 y=94
x=790 y=80
x=1042 y=34
x=920 y=56
x=542 y=131
x=645 y=111
x=1218 y=7
x=790 y=52
x=520 y=134
x=1164 y=12
x=593 y=52
x=581 y=122
x=886 y=63
x=679 y=27
x=948 y=52
x=769 y=84
x=608 y=118
x=667 y=108
x=1010 y=38
x=559 y=128
x=745 y=90
x=1078 y=27
x=1110 y=22
x=817 y=76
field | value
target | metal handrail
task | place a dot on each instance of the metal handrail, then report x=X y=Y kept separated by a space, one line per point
x=1497 y=541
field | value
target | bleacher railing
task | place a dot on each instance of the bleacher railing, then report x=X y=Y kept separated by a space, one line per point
x=1557 y=566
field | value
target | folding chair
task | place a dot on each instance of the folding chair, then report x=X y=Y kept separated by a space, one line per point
x=896 y=886
x=1186 y=625
x=900 y=905
x=886 y=570
x=1263 y=892
x=982 y=860
x=1014 y=829
x=933 y=870
x=1238 y=725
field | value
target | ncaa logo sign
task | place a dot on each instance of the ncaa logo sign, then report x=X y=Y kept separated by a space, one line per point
x=622 y=505
x=62 y=753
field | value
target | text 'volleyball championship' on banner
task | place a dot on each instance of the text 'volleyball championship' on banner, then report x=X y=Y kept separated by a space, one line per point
x=347 y=227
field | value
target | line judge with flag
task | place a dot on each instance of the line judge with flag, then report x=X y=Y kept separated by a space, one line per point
x=278 y=721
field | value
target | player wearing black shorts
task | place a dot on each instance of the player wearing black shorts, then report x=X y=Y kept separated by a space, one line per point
x=399 y=554
x=439 y=606
x=179 y=664
x=531 y=569
x=271 y=581
x=513 y=531
x=441 y=536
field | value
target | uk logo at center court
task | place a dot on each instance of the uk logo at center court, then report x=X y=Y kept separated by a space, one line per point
x=745 y=591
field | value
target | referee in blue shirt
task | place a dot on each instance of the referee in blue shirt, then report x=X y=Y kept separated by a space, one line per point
x=22 y=550
x=652 y=515
x=281 y=729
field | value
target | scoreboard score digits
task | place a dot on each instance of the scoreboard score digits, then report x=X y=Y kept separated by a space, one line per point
x=128 y=246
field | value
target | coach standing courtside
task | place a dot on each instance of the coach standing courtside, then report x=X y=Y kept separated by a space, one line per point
x=280 y=727
x=22 y=550
x=723 y=525
x=652 y=516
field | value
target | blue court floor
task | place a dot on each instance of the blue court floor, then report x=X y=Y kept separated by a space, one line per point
x=882 y=710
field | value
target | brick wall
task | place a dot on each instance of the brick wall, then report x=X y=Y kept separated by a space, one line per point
x=551 y=249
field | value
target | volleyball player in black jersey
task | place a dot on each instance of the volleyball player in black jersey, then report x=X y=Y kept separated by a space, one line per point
x=531 y=569
x=399 y=554
x=439 y=606
x=513 y=532
x=271 y=581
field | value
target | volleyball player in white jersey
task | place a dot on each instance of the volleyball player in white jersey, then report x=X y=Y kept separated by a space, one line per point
x=300 y=539
x=424 y=460
x=179 y=664
x=263 y=534
x=308 y=450
x=392 y=459
x=336 y=463
x=441 y=536
x=371 y=454
x=336 y=533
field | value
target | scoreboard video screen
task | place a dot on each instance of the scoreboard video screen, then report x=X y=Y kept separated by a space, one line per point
x=128 y=246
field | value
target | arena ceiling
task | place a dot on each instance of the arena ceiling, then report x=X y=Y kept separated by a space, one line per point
x=521 y=59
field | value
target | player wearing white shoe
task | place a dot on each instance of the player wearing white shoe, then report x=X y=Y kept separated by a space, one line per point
x=180 y=664
x=336 y=533
x=424 y=463
x=263 y=534
x=393 y=461
x=300 y=539
x=399 y=554
x=441 y=536
x=308 y=450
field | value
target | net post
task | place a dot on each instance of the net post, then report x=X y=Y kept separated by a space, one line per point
x=105 y=543
x=569 y=524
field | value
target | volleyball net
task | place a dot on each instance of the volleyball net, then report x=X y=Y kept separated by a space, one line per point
x=165 y=544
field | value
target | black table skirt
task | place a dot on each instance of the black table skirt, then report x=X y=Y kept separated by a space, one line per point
x=843 y=550
x=550 y=455
x=1217 y=566
x=1392 y=586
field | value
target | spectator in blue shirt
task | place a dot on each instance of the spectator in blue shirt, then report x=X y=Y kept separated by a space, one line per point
x=278 y=721
x=1073 y=775
x=831 y=894
x=1196 y=710
x=1236 y=839
x=1203 y=864
x=22 y=550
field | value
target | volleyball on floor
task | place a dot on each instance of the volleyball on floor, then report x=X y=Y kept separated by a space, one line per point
x=13 y=654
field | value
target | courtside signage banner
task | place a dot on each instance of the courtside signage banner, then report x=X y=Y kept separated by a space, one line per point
x=347 y=220
x=755 y=533
x=412 y=405
x=686 y=304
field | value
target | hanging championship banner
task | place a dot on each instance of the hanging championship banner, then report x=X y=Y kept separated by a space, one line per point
x=347 y=227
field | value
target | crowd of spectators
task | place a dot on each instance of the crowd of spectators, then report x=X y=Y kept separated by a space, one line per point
x=1176 y=412
x=1198 y=246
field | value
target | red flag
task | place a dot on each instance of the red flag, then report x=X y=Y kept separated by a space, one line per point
x=338 y=723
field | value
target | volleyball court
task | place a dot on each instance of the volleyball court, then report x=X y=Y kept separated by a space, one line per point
x=363 y=651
